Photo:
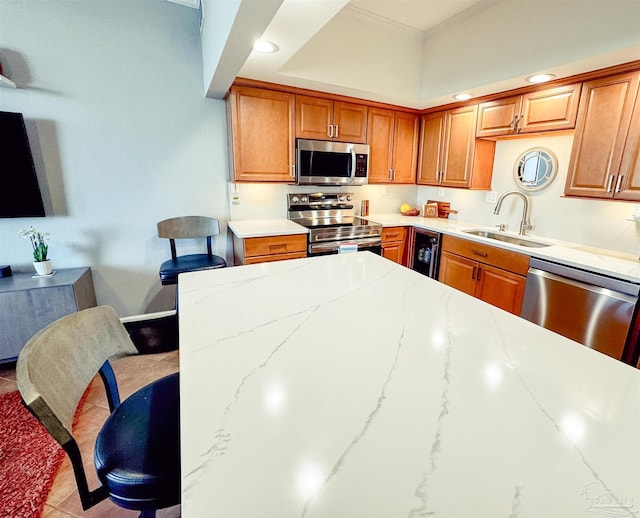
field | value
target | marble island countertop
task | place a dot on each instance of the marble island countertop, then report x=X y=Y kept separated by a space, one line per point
x=349 y=386
x=606 y=262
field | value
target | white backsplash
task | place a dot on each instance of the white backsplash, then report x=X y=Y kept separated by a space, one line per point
x=597 y=223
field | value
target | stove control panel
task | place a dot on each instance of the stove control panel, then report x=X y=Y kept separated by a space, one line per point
x=320 y=200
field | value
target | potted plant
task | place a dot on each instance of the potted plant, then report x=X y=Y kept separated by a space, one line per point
x=40 y=249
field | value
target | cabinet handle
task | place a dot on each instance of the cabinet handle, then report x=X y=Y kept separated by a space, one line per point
x=473 y=273
x=610 y=182
x=330 y=132
x=293 y=171
x=619 y=183
x=512 y=127
x=335 y=127
x=478 y=274
x=390 y=177
x=517 y=126
x=478 y=252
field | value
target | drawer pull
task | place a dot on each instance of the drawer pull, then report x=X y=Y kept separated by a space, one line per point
x=392 y=235
x=478 y=252
x=278 y=245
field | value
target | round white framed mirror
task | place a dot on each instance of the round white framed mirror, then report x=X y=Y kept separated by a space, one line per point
x=535 y=168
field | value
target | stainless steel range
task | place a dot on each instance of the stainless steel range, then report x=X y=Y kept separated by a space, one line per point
x=333 y=226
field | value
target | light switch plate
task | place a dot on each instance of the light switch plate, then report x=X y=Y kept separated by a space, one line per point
x=491 y=197
x=440 y=192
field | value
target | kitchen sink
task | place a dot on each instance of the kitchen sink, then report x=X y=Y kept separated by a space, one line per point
x=515 y=240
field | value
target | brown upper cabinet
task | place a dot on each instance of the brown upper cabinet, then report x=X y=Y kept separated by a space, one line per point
x=450 y=153
x=604 y=159
x=261 y=127
x=393 y=143
x=325 y=119
x=543 y=110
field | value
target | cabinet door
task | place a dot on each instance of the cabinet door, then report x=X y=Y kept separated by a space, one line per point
x=601 y=130
x=380 y=138
x=629 y=184
x=500 y=288
x=262 y=129
x=314 y=116
x=350 y=121
x=458 y=272
x=431 y=144
x=393 y=251
x=499 y=117
x=459 y=146
x=405 y=147
x=394 y=243
x=550 y=109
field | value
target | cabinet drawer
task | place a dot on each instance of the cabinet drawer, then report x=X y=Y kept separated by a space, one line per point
x=481 y=252
x=276 y=257
x=394 y=234
x=272 y=245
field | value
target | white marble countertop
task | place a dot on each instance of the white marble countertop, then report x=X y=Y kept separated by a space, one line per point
x=349 y=386
x=607 y=262
x=265 y=227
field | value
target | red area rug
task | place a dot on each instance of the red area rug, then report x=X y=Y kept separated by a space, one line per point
x=29 y=460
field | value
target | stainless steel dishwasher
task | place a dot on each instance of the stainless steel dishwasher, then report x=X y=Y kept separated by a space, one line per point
x=592 y=309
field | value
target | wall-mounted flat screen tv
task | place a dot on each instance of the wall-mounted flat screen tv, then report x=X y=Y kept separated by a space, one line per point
x=20 y=195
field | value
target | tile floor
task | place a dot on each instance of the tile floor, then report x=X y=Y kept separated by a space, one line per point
x=132 y=373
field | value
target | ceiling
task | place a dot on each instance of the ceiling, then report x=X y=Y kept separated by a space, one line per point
x=418 y=14
x=419 y=53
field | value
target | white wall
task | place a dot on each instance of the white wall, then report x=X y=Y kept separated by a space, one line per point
x=596 y=223
x=123 y=137
x=592 y=223
x=486 y=47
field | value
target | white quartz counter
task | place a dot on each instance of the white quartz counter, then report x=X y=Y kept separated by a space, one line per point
x=265 y=227
x=349 y=386
x=606 y=262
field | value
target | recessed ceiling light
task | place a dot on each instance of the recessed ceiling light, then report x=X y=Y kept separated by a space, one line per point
x=266 y=47
x=462 y=97
x=540 y=78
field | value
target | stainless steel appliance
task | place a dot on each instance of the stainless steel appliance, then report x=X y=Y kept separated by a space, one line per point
x=591 y=309
x=425 y=252
x=332 y=225
x=320 y=162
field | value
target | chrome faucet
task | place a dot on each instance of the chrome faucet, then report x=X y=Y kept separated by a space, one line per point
x=524 y=222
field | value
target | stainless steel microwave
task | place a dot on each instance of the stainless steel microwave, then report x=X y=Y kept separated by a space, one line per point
x=321 y=162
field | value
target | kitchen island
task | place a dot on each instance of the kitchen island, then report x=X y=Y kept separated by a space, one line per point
x=349 y=386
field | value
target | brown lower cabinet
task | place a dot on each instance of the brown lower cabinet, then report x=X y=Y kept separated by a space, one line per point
x=394 y=244
x=491 y=274
x=252 y=250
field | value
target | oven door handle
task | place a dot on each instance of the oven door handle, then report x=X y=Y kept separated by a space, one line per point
x=329 y=246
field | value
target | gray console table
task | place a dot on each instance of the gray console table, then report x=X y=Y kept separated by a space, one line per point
x=27 y=304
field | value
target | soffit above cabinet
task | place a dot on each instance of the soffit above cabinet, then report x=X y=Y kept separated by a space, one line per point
x=352 y=48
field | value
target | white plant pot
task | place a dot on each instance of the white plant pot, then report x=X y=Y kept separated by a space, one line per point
x=43 y=267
